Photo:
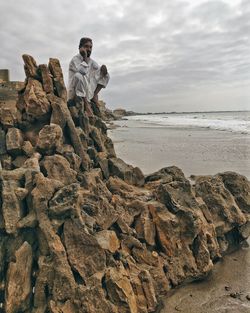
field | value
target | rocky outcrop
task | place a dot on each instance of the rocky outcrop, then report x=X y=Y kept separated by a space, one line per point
x=82 y=231
x=106 y=114
x=119 y=113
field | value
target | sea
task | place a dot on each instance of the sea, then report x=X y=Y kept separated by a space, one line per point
x=230 y=121
x=200 y=143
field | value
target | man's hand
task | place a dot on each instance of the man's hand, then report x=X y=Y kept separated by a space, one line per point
x=103 y=70
x=83 y=53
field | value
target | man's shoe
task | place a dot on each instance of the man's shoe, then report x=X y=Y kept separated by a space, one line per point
x=79 y=99
x=71 y=103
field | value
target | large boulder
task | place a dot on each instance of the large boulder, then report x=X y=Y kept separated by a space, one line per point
x=14 y=141
x=130 y=174
x=108 y=240
x=239 y=187
x=57 y=167
x=36 y=104
x=49 y=139
x=84 y=252
x=12 y=206
x=120 y=290
x=18 y=284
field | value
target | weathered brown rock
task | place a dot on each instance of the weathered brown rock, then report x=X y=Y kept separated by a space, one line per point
x=94 y=298
x=85 y=254
x=220 y=203
x=245 y=230
x=6 y=162
x=58 y=116
x=145 y=228
x=18 y=284
x=50 y=137
x=30 y=66
x=74 y=160
x=166 y=175
x=148 y=288
x=36 y=104
x=110 y=148
x=14 y=141
x=57 y=167
x=11 y=206
x=32 y=163
x=138 y=290
x=66 y=202
x=46 y=78
x=27 y=148
x=98 y=142
x=120 y=290
x=60 y=280
x=104 y=166
x=56 y=71
x=128 y=173
x=63 y=111
x=239 y=187
x=108 y=240
x=2 y=142
x=19 y=161
x=64 y=149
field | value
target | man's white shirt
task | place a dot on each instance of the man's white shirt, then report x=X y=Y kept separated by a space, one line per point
x=90 y=75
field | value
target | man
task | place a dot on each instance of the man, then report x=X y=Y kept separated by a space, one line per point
x=86 y=78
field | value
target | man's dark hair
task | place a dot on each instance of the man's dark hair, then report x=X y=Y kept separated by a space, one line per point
x=83 y=41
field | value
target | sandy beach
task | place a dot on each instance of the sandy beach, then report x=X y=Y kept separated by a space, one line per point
x=196 y=151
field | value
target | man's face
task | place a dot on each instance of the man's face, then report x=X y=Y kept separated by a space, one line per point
x=88 y=48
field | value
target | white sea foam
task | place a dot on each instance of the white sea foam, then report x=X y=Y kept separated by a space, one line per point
x=225 y=121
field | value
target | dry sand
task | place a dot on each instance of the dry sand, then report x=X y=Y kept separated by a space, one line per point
x=198 y=152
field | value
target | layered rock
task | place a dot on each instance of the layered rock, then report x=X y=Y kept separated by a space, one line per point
x=82 y=231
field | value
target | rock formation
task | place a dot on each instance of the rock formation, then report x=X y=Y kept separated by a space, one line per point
x=82 y=231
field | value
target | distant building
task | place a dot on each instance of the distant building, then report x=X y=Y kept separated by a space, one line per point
x=8 y=98
x=4 y=76
x=8 y=89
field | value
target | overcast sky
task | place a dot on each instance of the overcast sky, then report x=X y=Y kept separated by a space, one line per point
x=169 y=55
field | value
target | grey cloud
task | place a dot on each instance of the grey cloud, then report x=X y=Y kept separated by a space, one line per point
x=161 y=54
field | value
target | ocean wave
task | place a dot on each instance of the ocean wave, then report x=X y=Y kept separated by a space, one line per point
x=237 y=123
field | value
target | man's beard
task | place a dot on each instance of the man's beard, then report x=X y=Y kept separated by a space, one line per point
x=88 y=53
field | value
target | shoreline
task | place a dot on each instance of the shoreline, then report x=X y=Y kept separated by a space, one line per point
x=197 y=151
x=185 y=112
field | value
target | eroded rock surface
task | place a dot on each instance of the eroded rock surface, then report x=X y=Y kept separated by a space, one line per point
x=82 y=231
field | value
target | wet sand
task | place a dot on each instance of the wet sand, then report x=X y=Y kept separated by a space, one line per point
x=226 y=290
x=198 y=152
